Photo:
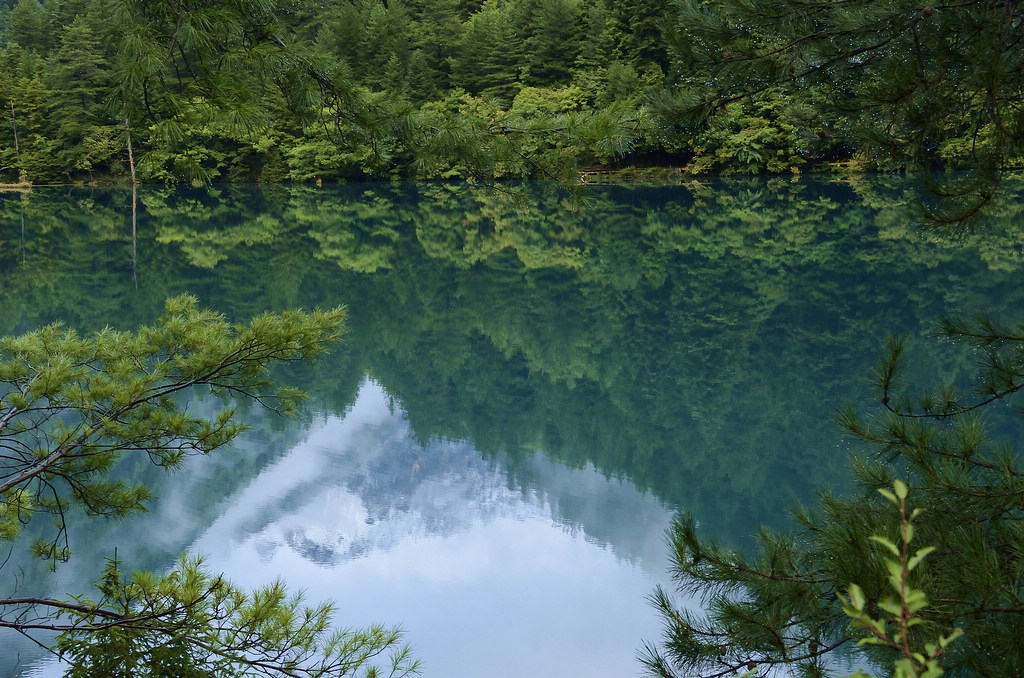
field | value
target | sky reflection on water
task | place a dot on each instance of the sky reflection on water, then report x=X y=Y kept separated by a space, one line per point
x=483 y=577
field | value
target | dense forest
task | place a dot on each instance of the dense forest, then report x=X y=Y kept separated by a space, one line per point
x=204 y=91
x=355 y=89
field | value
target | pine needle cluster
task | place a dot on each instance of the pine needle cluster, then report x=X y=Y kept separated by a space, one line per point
x=71 y=406
x=780 y=610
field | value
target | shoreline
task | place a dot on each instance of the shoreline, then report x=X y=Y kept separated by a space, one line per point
x=585 y=177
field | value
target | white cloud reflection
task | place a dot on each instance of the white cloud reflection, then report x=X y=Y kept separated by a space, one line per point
x=484 y=578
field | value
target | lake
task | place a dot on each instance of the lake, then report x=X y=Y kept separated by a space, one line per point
x=531 y=385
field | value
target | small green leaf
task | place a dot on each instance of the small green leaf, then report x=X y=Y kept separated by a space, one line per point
x=956 y=633
x=870 y=640
x=886 y=543
x=857 y=599
x=915 y=598
x=918 y=557
x=891 y=606
x=888 y=495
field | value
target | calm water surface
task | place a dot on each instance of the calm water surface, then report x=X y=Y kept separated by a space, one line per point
x=528 y=390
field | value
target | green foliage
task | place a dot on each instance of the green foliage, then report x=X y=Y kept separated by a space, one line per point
x=274 y=90
x=30 y=27
x=373 y=40
x=203 y=86
x=72 y=407
x=904 y=610
x=537 y=101
x=487 y=60
x=79 y=79
x=753 y=138
x=637 y=30
x=552 y=47
x=484 y=140
x=906 y=85
x=779 y=607
x=191 y=624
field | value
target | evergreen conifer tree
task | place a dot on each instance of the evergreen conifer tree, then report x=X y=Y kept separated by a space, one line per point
x=488 y=57
x=30 y=26
x=438 y=24
x=79 y=80
x=553 y=46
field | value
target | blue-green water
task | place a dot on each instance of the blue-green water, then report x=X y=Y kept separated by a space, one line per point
x=528 y=389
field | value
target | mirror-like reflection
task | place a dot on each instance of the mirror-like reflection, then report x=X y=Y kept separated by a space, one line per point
x=527 y=390
x=443 y=546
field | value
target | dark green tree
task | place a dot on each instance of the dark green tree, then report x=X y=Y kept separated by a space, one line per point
x=368 y=35
x=63 y=12
x=79 y=81
x=10 y=64
x=36 y=129
x=30 y=26
x=553 y=46
x=487 y=59
x=438 y=24
x=638 y=31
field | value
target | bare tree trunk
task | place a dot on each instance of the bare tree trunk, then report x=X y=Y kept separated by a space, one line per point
x=131 y=157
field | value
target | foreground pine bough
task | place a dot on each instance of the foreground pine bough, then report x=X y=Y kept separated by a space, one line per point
x=781 y=610
x=72 y=407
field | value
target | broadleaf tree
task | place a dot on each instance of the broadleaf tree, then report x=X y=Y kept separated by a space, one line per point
x=72 y=407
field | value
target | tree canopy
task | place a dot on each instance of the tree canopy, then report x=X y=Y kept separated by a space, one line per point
x=905 y=84
x=269 y=90
x=272 y=90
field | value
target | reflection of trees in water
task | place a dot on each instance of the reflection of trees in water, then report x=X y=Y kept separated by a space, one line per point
x=693 y=339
